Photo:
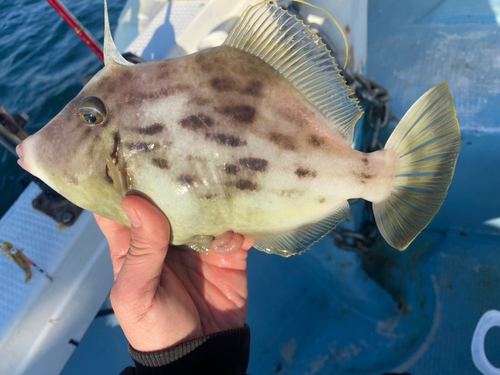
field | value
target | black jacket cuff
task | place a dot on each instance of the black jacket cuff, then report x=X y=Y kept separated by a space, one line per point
x=221 y=353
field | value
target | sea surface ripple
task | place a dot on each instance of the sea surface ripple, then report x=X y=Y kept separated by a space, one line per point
x=42 y=64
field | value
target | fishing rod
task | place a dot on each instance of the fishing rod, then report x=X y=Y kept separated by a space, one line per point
x=11 y=131
x=86 y=36
x=78 y=28
x=11 y=128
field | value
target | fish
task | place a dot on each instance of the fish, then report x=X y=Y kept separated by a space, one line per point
x=254 y=136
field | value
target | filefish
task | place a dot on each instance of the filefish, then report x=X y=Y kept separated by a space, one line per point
x=253 y=136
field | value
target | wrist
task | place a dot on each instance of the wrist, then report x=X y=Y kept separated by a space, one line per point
x=154 y=339
x=213 y=353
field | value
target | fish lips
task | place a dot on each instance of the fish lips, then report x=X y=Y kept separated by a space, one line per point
x=23 y=156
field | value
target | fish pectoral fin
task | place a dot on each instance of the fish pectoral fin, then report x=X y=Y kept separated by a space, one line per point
x=200 y=244
x=301 y=239
x=289 y=46
x=120 y=177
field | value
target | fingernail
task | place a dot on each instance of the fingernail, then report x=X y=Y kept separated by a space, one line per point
x=223 y=250
x=133 y=216
x=222 y=240
x=228 y=246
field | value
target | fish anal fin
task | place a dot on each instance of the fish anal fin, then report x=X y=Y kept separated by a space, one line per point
x=301 y=239
x=289 y=46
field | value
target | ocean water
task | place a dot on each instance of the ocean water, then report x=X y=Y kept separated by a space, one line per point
x=42 y=63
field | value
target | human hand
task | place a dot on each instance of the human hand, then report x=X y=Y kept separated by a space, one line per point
x=163 y=295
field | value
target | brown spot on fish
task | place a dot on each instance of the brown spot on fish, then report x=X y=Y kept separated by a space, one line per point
x=366 y=176
x=347 y=29
x=316 y=141
x=180 y=87
x=150 y=130
x=365 y=161
x=124 y=73
x=246 y=185
x=137 y=97
x=197 y=100
x=322 y=200
x=226 y=139
x=283 y=141
x=164 y=69
x=207 y=67
x=221 y=84
x=196 y=122
x=291 y=193
x=210 y=196
x=255 y=164
x=73 y=181
x=199 y=159
x=111 y=87
x=231 y=169
x=363 y=177
x=141 y=147
x=302 y=173
x=160 y=163
x=208 y=63
x=187 y=180
x=292 y=116
x=254 y=88
x=240 y=113
x=173 y=90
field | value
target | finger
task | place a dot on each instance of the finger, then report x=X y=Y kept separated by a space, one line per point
x=232 y=259
x=247 y=244
x=227 y=243
x=118 y=238
x=143 y=264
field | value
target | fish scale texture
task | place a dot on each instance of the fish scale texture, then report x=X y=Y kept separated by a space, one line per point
x=42 y=241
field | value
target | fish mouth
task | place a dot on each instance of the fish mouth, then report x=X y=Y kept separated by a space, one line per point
x=23 y=151
x=23 y=160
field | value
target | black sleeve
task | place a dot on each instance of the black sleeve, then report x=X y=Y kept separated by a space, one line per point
x=222 y=353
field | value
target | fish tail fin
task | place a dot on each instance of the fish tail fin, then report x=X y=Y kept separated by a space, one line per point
x=427 y=141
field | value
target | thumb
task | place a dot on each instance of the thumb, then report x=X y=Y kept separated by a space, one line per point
x=139 y=276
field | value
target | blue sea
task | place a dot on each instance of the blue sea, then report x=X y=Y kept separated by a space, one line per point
x=42 y=63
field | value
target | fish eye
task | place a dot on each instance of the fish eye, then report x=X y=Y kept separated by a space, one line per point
x=92 y=111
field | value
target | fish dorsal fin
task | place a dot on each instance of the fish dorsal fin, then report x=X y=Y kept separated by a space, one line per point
x=301 y=239
x=288 y=45
x=111 y=53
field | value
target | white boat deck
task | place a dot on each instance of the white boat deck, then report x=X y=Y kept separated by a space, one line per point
x=42 y=321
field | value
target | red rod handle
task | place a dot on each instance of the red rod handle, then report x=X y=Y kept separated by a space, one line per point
x=78 y=28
